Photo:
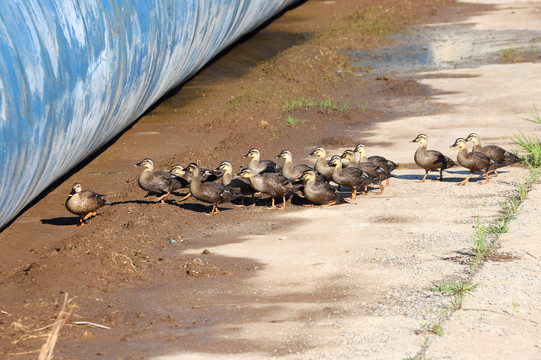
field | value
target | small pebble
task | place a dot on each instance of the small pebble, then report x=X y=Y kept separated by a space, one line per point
x=172 y=241
x=282 y=238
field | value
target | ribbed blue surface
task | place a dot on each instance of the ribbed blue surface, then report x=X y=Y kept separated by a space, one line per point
x=74 y=73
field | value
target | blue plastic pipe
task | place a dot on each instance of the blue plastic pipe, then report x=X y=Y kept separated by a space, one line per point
x=74 y=73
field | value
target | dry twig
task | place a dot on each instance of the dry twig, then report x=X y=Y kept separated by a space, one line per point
x=46 y=351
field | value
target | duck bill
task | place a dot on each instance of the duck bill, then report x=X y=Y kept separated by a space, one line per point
x=139 y=164
x=414 y=140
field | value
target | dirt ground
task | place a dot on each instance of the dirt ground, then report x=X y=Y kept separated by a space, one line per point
x=335 y=283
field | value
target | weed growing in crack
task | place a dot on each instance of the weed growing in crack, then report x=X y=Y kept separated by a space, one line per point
x=457 y=289
x=436 y=329
x=480 y=242
x=530 y=146
x=424 y=348
x=522 y=191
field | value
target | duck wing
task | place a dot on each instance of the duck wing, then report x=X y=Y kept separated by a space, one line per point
x=500 y=155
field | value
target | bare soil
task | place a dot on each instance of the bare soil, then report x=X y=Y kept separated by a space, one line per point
x=150 y=272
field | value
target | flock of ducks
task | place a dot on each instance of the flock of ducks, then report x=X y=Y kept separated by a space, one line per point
x=353 y=169
x=485 y=159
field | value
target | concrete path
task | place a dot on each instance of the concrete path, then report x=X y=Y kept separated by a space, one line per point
x=351 y=281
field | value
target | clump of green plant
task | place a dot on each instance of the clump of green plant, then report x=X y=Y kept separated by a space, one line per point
x=514 y=304
x=290 y=121
x=436 y=328
x=480 y=242
x=422 y=352
x=530 y=146
x=297 y=103
x=457 y=289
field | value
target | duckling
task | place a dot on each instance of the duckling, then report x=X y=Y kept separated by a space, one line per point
x=350 y=177
x=261 y=166
x=291 y=171
x=84 y=203
x=500 y=155
x=474 y=161
x=157 y=182
x=241 y=183
x=273 y=184
x=210 y=192
x=387 y=165
x=369 y=167
x=321 y=165
x=319 y=192
x=430 y=160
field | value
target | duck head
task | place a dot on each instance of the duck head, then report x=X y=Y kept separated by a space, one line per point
x=285 y=154
x=319 y=151
x=247 y=173
x=146 y=163
x=421 y=138
x=225 y=166
x=253 y=153
x=460 y=143
x=474 y=138
x=348 y=155
x=178 y=170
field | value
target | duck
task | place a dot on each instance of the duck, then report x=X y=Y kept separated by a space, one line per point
x=243 y=184
x=350 y=177
x=157 y=182
x=261 y=166
x=273 y=184
x=318 y=191
x=387 y=165
x=84 y=203
x=430 y=160
x=474 y=161
x=498 y=154
x=371 y=168
x=210 y=192
x=321 y=166
x=205 y=174
x=291 y=171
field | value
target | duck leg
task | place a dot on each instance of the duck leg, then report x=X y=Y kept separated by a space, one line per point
x=214 y=210
x=465 y=181
x=160 y=199
x=81 y=222
x=272 y=206
x=329 y=204
x=253 y=201
x=441 y=174
x=424 y=177
x=386 y=182
x=185 y=197
x=241 y=202
x=380 y=187
x=283 y=204
x=486 y=174
x=353 y=194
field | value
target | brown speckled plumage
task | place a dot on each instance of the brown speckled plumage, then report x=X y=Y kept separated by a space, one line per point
x=84 y=203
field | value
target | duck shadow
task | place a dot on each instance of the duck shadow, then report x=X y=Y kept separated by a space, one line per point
x=448 y=176
x=197 y=207
x=63 y=221
x=140 y=202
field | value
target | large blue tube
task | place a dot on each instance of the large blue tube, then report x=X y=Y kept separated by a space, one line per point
x=74 y=73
